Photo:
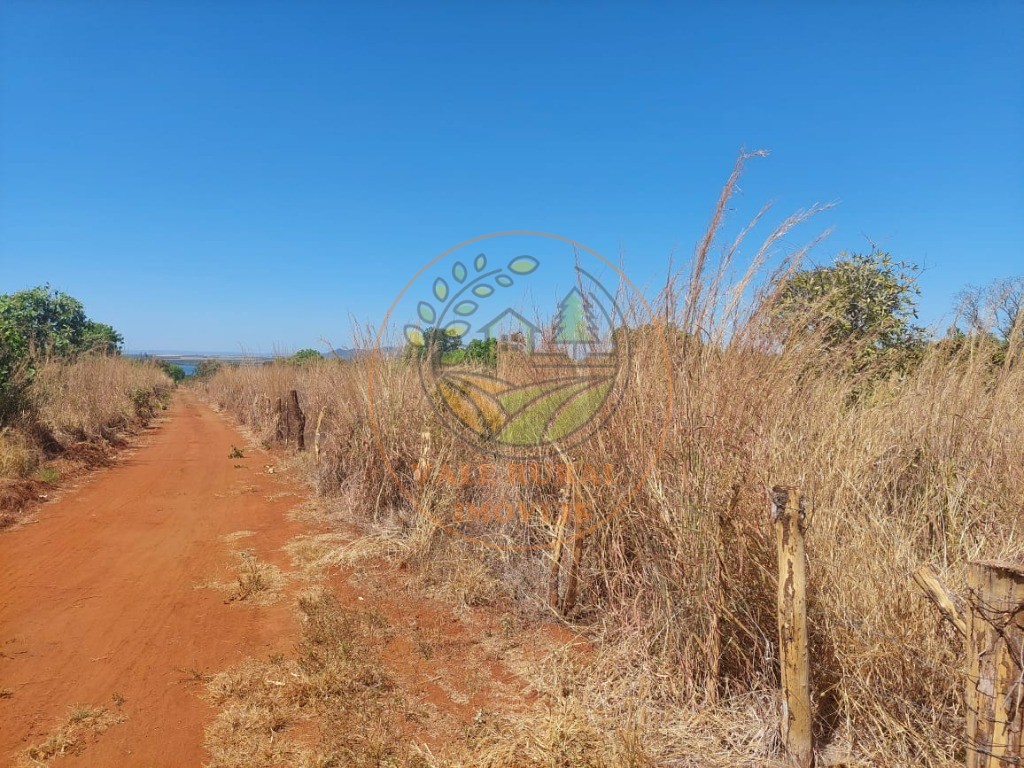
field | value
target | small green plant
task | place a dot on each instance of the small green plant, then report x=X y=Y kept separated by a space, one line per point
x=236 y=453
x=142 y=399
x=48 y=475
x=482 y=352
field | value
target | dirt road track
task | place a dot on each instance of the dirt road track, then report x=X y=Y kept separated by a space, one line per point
x=99 y=595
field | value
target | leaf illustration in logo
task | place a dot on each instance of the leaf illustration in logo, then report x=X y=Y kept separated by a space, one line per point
x=530 y=412
x=579 y=410
x=459 y=271
x=504 y=281
x=465 y=308
x=426 y=312
x=480 y=262
x=414 y=335
x=523 y=265
x=457 y=328
x=440 y=289
x=483 y=290
x=473 y=405
x=551 y=411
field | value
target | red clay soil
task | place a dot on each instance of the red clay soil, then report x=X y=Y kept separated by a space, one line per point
x=99 y=601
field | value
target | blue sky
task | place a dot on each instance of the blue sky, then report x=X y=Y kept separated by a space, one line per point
x=229 y=175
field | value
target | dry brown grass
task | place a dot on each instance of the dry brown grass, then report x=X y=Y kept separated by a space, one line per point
x=18 y=457
x=72 y=411
x=677 y=589
x=256 y=582
x=95 y=396
x=83 y=724
x=332 y=705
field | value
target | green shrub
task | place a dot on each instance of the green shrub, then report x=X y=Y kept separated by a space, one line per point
x=207 y=368
x=305 y=356
x=176 y=372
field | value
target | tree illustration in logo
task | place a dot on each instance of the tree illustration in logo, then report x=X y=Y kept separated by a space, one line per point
x=575 y=325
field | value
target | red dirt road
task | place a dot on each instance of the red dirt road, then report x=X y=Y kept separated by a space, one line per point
x=99 y=597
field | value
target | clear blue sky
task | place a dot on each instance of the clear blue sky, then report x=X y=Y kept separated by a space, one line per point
x=227 y=175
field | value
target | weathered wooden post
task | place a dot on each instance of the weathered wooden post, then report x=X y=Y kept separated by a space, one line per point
x=794 y=662
x=993 y=629
x=422 y=471
x=316 y=436
x=295 y=412
x=995 y=674
x=280 y=432
x=554 y=575
x=573 y=583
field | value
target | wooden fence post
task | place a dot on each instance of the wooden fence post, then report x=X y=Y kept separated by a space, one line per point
x=280 y=431
x=295 y=412
x=422 y=471
x=993 y=628
x=554 y=574
x=316 y=436
x=572 y=585
x=995 y=675
x=794 y=663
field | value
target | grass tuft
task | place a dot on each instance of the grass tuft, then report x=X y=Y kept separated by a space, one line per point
x=83 y=723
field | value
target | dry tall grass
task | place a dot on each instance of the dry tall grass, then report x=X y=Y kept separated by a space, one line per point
x=71 y=407
x=95 y=396
x=677 y=588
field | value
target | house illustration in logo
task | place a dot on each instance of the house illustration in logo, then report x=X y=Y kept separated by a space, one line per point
x=512 y=326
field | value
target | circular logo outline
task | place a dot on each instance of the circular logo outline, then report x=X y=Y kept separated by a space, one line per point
x=605 y=409
x=377 y=355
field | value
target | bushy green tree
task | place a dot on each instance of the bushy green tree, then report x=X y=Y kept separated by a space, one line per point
x=100 y=337
x=863 y=307
x=41 y=322
x=482 y=352
x=45 y=321
x=436 y=342
x=304 y=356
x=13 y=356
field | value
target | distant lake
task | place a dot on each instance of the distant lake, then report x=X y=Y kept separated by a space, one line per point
x=188 y=362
